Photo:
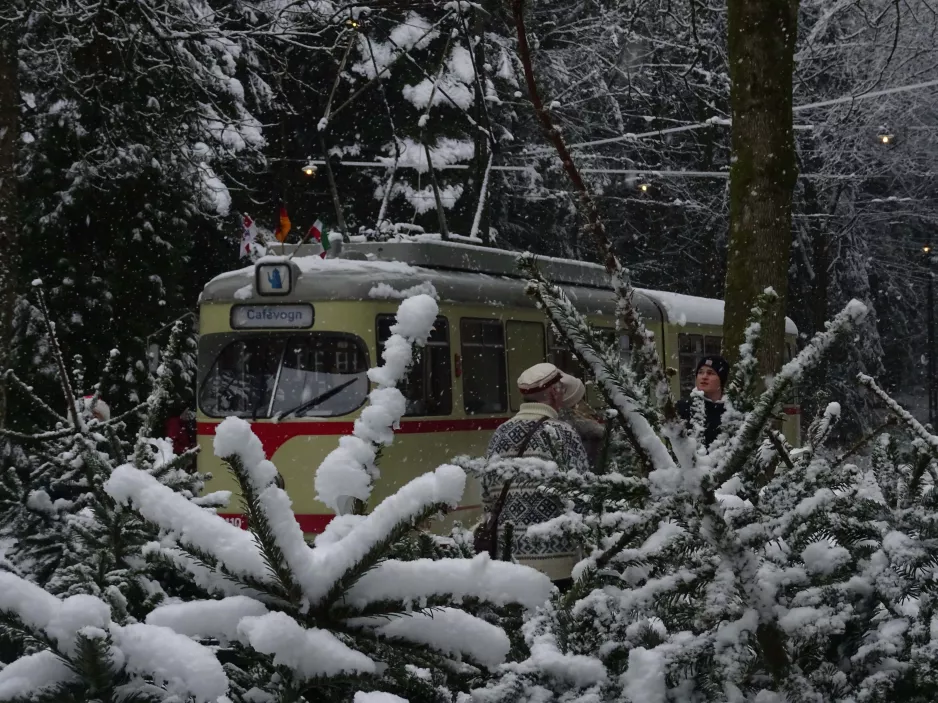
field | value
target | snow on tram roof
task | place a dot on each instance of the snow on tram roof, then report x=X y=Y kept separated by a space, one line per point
x=313 y=263
x=683 y=309
x=450 y=266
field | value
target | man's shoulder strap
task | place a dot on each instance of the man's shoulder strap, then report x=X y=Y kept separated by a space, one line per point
x=523 y=447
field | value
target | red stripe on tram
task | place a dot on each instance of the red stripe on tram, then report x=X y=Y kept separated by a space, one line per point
x=311 y=523
x=273 y=435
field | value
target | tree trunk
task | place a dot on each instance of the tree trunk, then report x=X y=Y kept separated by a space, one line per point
x=9 y=230
x=764 y=171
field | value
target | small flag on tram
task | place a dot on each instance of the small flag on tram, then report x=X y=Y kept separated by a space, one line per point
x=316 y=233
x=283 y=228
x=248 y=236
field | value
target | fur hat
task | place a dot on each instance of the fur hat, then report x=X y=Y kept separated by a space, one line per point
x=720 y=365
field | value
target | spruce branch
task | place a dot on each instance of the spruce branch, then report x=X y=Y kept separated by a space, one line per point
x=64 y=380
x=263 y=531
x=744 y=442
x=639 y=421
x=744 y=382
x=377 y=552
x=379 y=608
x=864 y=440
x=106 y=373
x=11 y=377
x=158 y=398
x=931 y=441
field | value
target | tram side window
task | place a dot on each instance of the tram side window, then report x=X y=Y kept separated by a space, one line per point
x=320 y=374
x=525 y=348
x=428 y=387
x=483 y=361
x=691 y=349
x=560 y=355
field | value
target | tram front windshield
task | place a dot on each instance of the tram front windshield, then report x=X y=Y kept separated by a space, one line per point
x=319 y=374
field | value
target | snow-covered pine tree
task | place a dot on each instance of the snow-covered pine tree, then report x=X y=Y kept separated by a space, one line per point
x=749 y=572
x=278 y=619
x=68 y=536
x=134 y=119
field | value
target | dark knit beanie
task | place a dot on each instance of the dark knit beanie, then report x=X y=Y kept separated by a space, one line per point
x=718 y=364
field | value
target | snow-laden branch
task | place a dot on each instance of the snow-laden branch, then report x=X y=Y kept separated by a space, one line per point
x=317 y=570
x=29 y=675
x=496 y=582
x=904 y=415
x=308 y=652
x=746 y=438
x=448 y=630
x=174 y=662
x=349 y=470
x=189 y=524
x=615 y=381
x=158 y=399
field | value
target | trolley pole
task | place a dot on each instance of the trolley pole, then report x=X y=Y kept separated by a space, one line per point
x=931 y=382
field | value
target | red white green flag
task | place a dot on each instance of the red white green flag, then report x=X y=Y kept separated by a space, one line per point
x=316 y=232
x=248 y=236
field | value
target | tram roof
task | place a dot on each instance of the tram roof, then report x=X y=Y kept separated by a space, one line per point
x=459 y=272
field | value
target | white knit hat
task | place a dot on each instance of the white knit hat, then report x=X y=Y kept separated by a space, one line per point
x=540 y=377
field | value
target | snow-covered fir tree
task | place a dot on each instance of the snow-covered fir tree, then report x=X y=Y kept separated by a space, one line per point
x=67 y=534
x=204 y=611
x=746 y=571
x=135 y=119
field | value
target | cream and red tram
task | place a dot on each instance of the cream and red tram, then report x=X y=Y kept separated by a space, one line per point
x=287 y=344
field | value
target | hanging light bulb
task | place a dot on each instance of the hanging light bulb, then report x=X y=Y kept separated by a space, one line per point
x=644 y=187
x=310 y=169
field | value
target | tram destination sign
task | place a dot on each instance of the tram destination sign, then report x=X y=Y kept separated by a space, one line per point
x=274 y=316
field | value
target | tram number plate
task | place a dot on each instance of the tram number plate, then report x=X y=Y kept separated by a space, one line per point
x=236 y=520
x=267 y=316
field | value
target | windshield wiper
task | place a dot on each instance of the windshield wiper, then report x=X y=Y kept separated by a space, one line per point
x=321 y=398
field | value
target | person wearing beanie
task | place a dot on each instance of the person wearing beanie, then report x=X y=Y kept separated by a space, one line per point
x=711 y=377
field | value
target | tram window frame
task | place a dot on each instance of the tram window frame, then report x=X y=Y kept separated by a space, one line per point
x=688 y=359
x=517 y=362
x=278 y=344
x=470 y=389
x=561 y=356
x=432 y=365
x=564 y=359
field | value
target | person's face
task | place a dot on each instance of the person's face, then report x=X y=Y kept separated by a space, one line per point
x=708 y=381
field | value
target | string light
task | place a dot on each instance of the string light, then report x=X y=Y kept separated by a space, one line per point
x=926 y=249
x=644 y=187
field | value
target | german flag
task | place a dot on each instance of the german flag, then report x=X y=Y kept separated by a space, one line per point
x=283 y=228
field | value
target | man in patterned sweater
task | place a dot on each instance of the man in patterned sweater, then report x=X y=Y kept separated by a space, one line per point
x=545 y=390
